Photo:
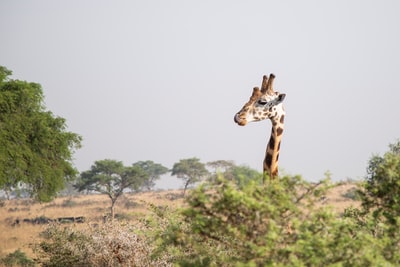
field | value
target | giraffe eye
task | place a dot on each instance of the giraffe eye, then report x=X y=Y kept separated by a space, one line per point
x=262 y=102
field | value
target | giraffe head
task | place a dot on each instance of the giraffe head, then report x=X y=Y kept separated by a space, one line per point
x=263 y=104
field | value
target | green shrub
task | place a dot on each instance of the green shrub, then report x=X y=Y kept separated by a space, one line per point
x=17 y=258
x=272 y=225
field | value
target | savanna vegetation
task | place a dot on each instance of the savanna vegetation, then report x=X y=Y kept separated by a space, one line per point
x=227 y=218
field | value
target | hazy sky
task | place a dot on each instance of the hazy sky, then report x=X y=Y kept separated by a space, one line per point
x=162 y=80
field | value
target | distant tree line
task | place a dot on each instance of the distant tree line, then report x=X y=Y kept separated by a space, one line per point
x=112 y=178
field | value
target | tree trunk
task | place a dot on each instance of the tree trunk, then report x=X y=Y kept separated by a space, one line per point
x=112 y=209
x=186 y=185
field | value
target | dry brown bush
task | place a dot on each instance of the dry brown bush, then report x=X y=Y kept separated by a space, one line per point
x=110 y=244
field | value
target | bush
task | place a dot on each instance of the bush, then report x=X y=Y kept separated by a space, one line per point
x=17 y=258
x=111 y=244
x=62 y=247
x=272 y=225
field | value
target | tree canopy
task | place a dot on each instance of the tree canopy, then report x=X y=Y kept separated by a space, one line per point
x=35 y=147
x=241 y=174
x=153 y=170
x=381 y=192
x=111 y=177
x=190 y=171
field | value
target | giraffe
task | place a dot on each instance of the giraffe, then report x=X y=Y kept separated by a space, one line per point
x=266 y=104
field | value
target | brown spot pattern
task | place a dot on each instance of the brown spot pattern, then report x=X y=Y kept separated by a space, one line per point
x=268 y=159
x=271 y=142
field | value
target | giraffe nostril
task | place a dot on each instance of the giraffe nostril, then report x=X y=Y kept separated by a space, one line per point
x=236 y=118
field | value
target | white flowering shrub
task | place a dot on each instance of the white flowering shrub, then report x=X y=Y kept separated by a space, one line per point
x=110 y=244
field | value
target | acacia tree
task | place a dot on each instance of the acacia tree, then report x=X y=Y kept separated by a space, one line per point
x=35 y=148
x=111 y=177
x=153 y=170
x=221 y=165
x=190 y=171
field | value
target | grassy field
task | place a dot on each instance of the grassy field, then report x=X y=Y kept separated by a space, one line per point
x=94 y=207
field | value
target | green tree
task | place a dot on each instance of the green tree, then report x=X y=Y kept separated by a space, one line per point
x=242 y=175
x=220 y=165
x=111 y=177
x=35 y=148
x=153 y=170
x=379 y=214
x=190 y=171
x=381 y=192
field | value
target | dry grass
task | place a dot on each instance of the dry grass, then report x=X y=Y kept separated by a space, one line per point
x=95 y=207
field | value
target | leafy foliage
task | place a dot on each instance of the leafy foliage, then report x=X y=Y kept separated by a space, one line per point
x=35 y=148
x=381 y=193
x=190 y=171
x=153 y=170
x=241 y=175
x=273 y=225
x=379 y=214
x=221 y=166
x=227 y=222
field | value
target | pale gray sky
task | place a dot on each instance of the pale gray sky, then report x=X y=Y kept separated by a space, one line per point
x=162 y=80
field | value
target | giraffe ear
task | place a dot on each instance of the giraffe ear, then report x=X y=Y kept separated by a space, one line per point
x=280 y=98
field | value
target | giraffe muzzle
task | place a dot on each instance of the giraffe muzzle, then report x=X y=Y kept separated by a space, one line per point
x=239 y=121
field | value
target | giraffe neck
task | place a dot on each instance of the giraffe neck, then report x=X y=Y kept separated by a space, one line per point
x=273 y=146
